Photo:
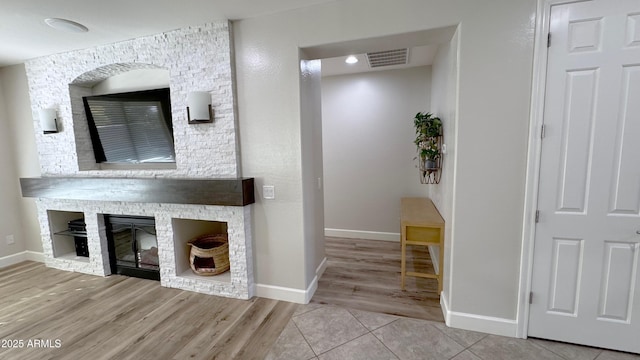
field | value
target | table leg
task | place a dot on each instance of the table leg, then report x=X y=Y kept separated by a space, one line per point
x=403 y=259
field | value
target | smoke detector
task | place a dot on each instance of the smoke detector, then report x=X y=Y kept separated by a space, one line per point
x=66 y=25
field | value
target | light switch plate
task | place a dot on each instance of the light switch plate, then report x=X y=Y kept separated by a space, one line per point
x=269 y=192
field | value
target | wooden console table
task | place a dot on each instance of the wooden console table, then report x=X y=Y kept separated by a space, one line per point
x=421 y=225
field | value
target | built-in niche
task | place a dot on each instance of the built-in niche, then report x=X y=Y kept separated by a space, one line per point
x=185 y=230
x=124 y=97
x=68 y=237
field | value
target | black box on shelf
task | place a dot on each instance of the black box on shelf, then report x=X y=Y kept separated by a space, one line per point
x=82 y=248
x=77 y=225
x=80 y=240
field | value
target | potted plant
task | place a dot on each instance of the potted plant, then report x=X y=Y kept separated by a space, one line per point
x=428 y=129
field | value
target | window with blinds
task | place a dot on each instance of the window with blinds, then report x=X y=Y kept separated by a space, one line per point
x=131 y=127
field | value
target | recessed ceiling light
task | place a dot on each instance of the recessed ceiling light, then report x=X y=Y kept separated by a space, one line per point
x=66 y=25
x=351 y=59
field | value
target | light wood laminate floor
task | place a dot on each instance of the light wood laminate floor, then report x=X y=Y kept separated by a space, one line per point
x=365 y=275
x=119 y=317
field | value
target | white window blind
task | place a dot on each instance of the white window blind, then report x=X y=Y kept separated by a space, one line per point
x=132 y=131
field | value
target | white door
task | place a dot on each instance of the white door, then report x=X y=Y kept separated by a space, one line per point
x=585 y=286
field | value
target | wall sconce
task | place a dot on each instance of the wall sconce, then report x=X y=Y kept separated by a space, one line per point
x=199 y=108
x=48 y=121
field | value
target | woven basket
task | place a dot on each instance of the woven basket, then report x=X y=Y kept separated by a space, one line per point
x=209 y=254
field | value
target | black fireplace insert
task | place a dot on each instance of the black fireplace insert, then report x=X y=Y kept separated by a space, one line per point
x=133 y=246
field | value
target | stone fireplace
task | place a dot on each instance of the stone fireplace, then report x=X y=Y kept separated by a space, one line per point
x=175 y=224
x=203 y=189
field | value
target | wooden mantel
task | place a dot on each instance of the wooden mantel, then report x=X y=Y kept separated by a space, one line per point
x=226 y=192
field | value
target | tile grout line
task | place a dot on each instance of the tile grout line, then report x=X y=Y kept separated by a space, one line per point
x=548 y=349
x=306 y=312
x=454 y=340
x=464 y=348
x=468 y=348
x=538 y=345
x=545 y=348
x=476 y=355
x=471 y=351
x=454 y=356
x=361 y=323
x=374 y=335
x=304 y=337
x=475 y=342
x=385 y=345
x=337 y=346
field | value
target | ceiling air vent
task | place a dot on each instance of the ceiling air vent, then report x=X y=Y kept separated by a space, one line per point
x=388 y=58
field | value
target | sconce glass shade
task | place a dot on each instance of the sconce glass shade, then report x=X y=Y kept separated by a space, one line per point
x=48 y=121
x=199 y=107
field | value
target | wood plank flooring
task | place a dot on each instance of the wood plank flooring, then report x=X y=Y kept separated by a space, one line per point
x=120 y=317
x=365 y=275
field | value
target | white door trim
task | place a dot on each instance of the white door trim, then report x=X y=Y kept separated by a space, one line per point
x=540 y=53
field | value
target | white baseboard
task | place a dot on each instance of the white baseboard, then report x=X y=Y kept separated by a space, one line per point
x=34 y=256
x=360 y=234
x=20 y=257
x=282 y=293
x=12 y=259
x=480 y=323
x=444 y=307
x=291 y=294
x=321 y=268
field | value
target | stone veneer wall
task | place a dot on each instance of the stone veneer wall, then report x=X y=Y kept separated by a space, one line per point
x=198 y=59
x=238 y=221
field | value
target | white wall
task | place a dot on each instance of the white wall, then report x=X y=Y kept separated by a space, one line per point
x=9 y=222
x=134 y=80
x=368 y=150
x=496 y=52
x=444 y=88
x=18 y=158
x=312 y=172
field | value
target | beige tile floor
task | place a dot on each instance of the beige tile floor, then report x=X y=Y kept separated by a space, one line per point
x=325 y=332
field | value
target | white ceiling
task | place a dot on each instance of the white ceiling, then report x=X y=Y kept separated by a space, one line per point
x=418 y=56
x=422 y=45
x=24 y=35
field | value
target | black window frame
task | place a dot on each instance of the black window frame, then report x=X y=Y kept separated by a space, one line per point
x=157 y=95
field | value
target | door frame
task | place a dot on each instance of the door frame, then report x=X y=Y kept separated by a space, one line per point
x=536 y=115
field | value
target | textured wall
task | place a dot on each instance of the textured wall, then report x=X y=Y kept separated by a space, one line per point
x=198 y=59
x=10 y=202
x=367 y=134
x=19 y=129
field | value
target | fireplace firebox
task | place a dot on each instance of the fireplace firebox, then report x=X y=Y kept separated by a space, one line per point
x=133 y=246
